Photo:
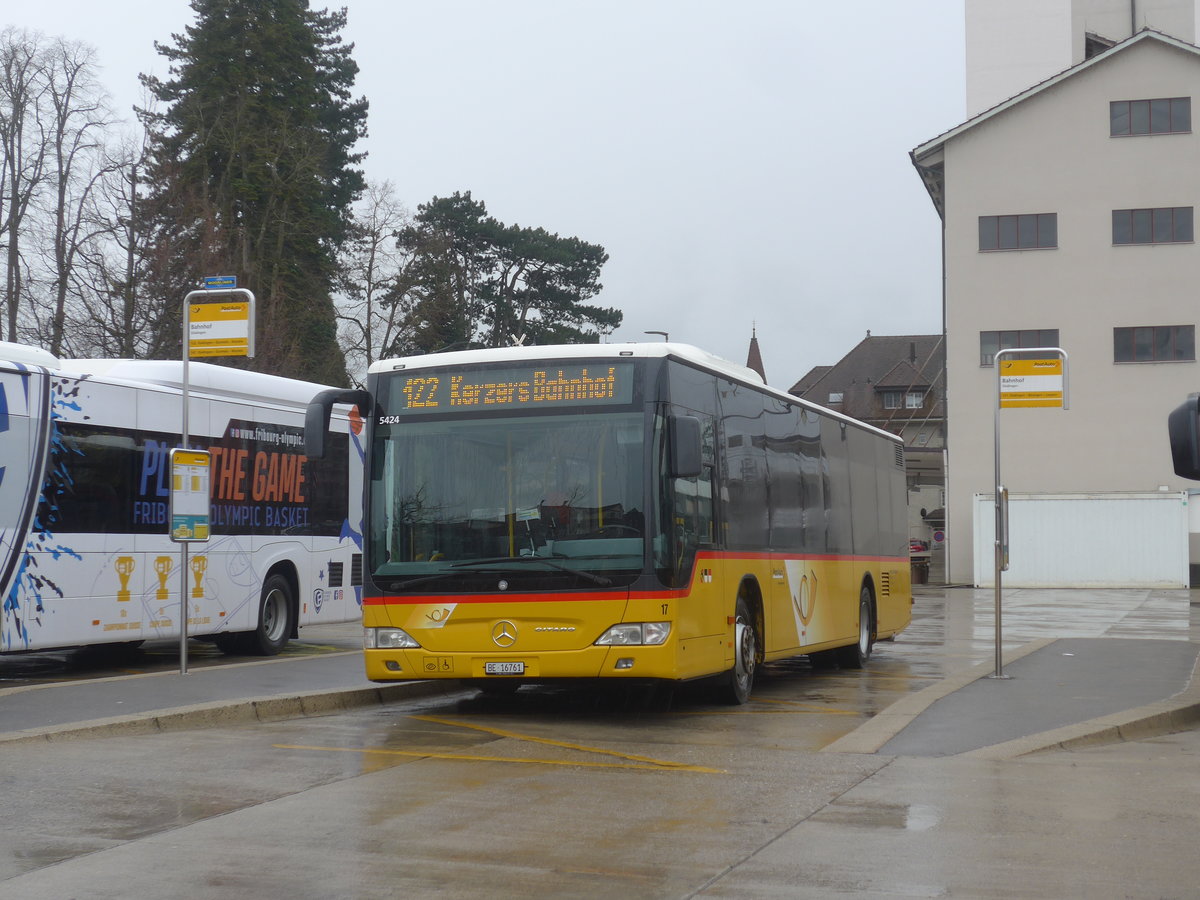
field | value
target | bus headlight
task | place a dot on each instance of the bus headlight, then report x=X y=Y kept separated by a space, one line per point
x=635 y=633
x=388 y=639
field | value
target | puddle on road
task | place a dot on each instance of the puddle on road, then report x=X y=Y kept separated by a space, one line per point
x=895 y=816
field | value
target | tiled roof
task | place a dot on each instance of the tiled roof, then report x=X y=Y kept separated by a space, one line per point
x=895 y=362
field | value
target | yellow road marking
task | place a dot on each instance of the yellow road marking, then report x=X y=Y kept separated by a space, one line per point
x=419 y=754
x=499 y=732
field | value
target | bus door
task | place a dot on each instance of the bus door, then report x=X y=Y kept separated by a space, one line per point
x=685 y=552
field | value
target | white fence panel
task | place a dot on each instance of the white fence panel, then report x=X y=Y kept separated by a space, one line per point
x=1115 y=540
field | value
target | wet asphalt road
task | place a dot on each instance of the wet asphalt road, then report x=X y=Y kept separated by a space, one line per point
x=622 y=794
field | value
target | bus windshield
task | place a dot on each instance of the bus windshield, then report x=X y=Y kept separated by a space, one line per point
x=548 y=501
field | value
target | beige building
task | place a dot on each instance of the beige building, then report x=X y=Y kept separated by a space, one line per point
x=1012 y=44
x=1068 y=218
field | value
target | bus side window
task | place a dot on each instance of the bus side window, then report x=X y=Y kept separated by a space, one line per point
x=687 y=512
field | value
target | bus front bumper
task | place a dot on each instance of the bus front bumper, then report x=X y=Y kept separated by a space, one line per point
x=637 y=661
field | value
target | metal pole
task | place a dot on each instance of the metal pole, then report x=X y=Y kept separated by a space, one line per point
x=999 y=528
x=183 y=547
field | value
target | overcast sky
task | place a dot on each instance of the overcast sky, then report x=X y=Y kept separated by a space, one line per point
x=743 y=163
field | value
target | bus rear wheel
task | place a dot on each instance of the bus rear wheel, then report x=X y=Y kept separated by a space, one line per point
x=274 y=618
x=856 y=655
x=739 y=680
x=275 y=610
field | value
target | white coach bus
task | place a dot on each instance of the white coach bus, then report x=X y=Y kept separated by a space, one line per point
x=85 y=556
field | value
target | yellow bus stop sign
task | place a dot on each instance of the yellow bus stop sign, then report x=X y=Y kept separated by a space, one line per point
x=219 y=329
x=1031 y=382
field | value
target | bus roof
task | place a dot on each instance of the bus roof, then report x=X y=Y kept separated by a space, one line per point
x=202 y=377
x=26 y=355
x=655 y=349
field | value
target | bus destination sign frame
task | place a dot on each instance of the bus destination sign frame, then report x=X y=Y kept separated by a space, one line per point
x=501 y=388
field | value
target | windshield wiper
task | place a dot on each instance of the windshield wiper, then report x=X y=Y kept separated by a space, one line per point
x=423 y=579
x=491 y=561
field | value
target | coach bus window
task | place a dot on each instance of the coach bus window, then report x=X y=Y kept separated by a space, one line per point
x=686 y=510
x=564 y=487
x=784 y=471
x=743 y=467
x=812 y=482
x=95 y=473
x=835 y=465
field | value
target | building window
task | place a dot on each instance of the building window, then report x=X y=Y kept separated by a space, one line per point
x=1171 y=115
x=990 y=342
x=1154 y=343
x=1164 y=225
x=891 y=399
x=1031 y=231
x=914 y=399
x=835 y=396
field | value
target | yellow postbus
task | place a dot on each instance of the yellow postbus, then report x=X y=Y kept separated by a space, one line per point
x=617 y=511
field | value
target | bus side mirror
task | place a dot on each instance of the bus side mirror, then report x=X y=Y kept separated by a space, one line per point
x=683 y=432
x=316 y=416
x=1183 y=425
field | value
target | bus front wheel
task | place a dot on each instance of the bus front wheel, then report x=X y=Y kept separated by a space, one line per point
x=274 y=618
x=740 y=679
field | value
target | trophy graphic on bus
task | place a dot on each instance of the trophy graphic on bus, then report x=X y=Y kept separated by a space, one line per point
x=162 y=565
x=198 y=564
x=124 y=566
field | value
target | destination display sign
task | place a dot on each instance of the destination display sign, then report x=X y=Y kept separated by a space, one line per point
x=526 y=386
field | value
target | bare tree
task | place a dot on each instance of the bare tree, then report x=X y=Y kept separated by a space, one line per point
x=78 y=123
x=23 y=149
x=372 y=266
x=115 y=318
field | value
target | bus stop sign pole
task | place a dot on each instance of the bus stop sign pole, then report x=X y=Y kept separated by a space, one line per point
x=1037 y=379
x=212 y=326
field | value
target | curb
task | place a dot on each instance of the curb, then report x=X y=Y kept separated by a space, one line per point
x=872 y=735
x=1179 y=712
x=221 y=713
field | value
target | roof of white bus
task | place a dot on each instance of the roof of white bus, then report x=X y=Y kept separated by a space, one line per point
x=202 y=377
x=655 y=349
x=28 y=356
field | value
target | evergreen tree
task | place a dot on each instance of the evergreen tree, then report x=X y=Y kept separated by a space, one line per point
x=253 y=171
x=477 y=282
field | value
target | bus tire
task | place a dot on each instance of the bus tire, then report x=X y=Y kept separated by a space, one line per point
x=275 y=609
x=739 y=680
x=856 y=655
x=229 y=644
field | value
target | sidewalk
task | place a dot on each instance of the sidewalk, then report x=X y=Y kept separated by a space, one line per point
x=259 y=690
x=1061 y=689
x=1063 y=693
